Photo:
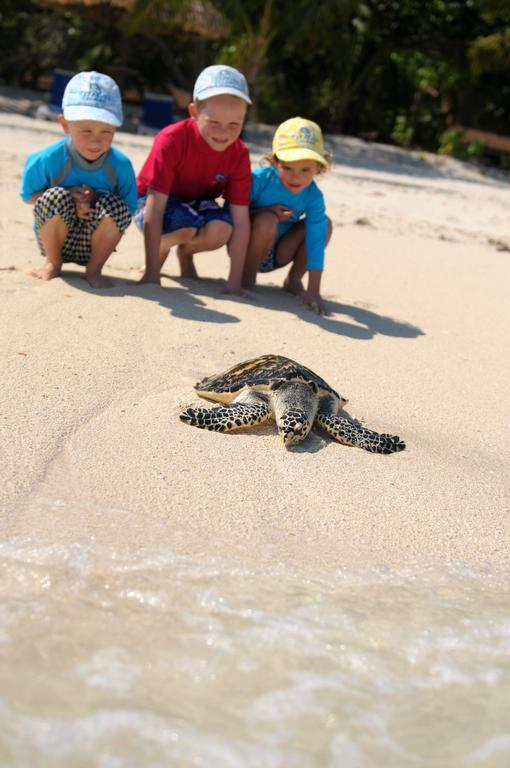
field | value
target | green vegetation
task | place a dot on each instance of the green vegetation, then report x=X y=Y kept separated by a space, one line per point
x=410 y=72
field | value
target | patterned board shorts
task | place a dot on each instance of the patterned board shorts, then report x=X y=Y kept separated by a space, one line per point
x=178 y=215
x=270 y=263
x=58 y=201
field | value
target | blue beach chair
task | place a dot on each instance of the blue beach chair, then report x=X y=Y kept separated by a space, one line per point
x=158 y=112
x=50 y=111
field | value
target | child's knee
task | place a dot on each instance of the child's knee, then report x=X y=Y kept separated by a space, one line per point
x=115 y=208
x=55 y=201
x=110 y=204
x=218 y=232
x=53 y=194
x=106 y=225
x=266 y=223
x=186 y=234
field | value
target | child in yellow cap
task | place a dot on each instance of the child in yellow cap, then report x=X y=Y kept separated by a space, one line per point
x=288 y=216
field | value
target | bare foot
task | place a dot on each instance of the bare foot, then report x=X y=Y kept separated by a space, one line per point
x=47 y=272
x=139 y=272
x=150 y=279
x=186 y=263
x=97 y=280
x=294 y=286
x=234 y=291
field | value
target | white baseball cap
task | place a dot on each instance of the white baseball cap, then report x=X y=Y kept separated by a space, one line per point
x=218 y=80
x=92 y=96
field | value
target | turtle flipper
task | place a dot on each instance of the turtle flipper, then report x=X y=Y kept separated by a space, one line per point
x=345 y=431
x=226 y=418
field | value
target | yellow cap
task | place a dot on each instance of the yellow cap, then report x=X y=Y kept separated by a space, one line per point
x=299 y=139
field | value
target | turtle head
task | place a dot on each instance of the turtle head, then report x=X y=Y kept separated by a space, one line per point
x=295 y=406
x=293 y=426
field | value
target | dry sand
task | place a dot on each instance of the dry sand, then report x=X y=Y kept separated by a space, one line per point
x=417 y=277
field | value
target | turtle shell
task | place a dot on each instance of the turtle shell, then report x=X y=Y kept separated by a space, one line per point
x=260 y=373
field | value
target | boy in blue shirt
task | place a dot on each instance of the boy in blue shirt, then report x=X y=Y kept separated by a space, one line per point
x=288 y=215
x=83 y=189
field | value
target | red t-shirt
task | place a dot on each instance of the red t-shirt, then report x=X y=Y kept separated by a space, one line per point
x=182 y=164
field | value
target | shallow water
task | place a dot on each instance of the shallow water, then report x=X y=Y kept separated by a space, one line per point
x=122 y=658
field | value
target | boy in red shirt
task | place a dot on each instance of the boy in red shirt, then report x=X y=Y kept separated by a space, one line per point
x=192 y=163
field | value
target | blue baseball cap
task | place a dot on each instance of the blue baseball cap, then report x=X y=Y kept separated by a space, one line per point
x=92 y=96
x=218 y=80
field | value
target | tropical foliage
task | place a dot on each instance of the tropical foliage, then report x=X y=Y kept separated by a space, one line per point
x=412 y=72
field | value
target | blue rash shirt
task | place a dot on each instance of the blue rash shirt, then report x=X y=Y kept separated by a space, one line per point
x=267 y=190
x=111 y=173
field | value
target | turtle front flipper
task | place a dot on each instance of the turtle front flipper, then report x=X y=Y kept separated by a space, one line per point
x=347 y=432
x=248 y=410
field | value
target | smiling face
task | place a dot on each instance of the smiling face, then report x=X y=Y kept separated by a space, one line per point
x=296 y=175
x=90 y=137
x=220 y=120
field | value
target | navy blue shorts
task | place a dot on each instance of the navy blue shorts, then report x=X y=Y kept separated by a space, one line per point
x=270 y=263
x=180 y=215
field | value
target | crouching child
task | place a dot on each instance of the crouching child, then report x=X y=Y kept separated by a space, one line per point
x=82 y=188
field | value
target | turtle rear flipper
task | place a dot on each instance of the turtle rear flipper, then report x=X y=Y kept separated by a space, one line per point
x=348 y=433
x=225 y=418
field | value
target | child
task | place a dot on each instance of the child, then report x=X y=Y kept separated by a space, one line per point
x=288 y=217
x=192 y=163
x=84 y=190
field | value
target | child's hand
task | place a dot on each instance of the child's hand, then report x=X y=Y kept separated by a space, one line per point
x=148 y=277
x=84 y=199
x=282 y=212
x=314 y=302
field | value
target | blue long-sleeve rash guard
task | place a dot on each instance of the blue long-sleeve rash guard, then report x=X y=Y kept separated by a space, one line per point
x=267 y=190
x=42 y=166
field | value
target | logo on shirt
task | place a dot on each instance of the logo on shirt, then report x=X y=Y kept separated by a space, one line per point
x=221 y=177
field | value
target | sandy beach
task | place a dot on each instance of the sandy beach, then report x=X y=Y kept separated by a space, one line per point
x=176 y=597
x=416 y=279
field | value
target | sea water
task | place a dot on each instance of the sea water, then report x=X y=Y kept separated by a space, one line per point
x=138 y=657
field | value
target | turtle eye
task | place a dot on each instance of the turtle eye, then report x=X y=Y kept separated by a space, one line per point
x=313 y=386
x=276 y=384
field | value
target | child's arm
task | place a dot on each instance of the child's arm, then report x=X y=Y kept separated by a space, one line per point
x=35 y=197
x=236 y=247
x=83 y=199
x=152 y=230
x=281 y=212
x=318 y=232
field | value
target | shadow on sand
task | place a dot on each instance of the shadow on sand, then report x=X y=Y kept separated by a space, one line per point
x=185 y=300
x=180 y=303
x=362 y=324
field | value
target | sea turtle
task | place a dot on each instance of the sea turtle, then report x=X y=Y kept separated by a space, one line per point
x=294 y=395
